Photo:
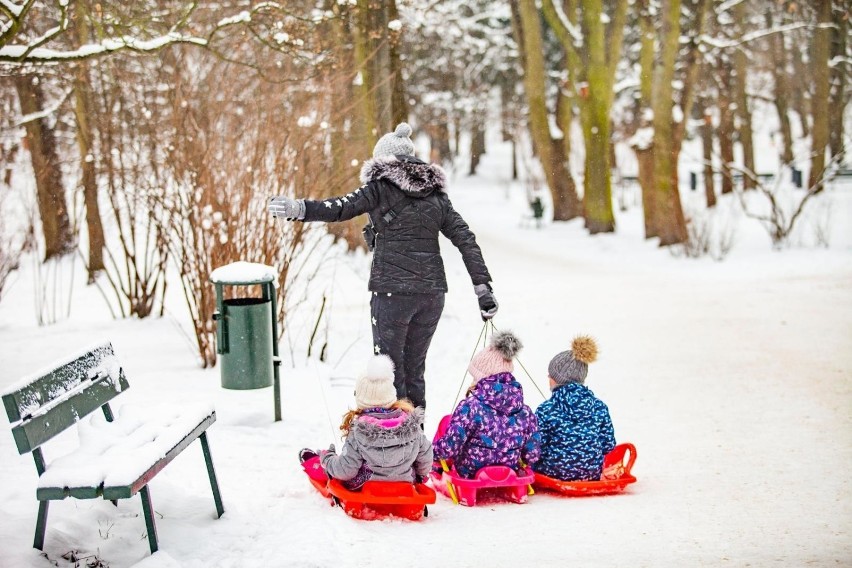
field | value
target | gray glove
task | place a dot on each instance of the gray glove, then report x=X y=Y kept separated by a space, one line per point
x=284 y=207
x=487 y=301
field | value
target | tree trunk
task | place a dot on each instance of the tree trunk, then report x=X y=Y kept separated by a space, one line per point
x=439 y=138
x=597 y=193
x=566 y=204
x=707 y=151
x=645 y=152
x=840 y=39
x=741 y=98
x=782 y=90
x=671 y=224
x=83 y=112
x=726 y=127
x=645 y=159
x=399 y=98
x=50 y=193
x=820 y=52
x=477 y=145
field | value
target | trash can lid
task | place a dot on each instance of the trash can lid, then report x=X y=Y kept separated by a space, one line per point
x=242 y=272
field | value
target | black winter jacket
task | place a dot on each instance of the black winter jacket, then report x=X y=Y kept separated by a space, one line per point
x=407 y=258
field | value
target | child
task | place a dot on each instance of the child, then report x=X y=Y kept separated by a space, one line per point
x=492 y=425
x=384 y=436
x=576 y=429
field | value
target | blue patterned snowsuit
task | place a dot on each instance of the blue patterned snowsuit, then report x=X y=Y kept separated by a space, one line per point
x=491 y=426
x=576 y=434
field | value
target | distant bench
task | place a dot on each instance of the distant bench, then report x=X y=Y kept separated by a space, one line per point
x=118 y=456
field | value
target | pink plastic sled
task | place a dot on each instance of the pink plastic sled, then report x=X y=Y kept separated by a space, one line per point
x=496 y=479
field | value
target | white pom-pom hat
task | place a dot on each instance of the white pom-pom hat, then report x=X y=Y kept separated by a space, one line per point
x=375 y=387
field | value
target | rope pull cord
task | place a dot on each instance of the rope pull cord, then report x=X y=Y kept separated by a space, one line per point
x=483 y=336
x=316 y=373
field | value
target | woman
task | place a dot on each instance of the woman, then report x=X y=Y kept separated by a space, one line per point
x=408 y=206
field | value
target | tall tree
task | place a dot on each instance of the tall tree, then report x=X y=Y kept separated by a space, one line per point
x=820 y=52
x=670 y=221
x=593 y=53
x=839 y=76
x=566 y=204
x=83 y=112
x=743 y=111
x=50 y=190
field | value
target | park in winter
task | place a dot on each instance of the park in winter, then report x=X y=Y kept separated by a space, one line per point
x=456 y=283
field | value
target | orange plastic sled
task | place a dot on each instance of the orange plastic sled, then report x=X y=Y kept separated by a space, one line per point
x=376 y=499
x=615 y=478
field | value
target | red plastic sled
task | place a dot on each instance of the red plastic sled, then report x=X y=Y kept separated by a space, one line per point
x=376 y=499
x=616 y=476
x=497 y=479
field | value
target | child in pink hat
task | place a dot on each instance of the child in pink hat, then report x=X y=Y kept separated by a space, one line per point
x=491 y=425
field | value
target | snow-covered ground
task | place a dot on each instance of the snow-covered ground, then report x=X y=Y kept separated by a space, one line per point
x=733 y=379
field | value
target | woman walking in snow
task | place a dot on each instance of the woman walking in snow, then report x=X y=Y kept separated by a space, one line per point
x=408 y=207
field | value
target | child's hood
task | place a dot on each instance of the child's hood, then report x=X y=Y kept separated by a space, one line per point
x=501 y=392
x=575 y=399
x=388 y=429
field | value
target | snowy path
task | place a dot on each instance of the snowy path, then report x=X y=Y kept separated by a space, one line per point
x=733 y=379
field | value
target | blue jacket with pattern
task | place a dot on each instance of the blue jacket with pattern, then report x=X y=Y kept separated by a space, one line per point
x=491 y=426
x=576 y=434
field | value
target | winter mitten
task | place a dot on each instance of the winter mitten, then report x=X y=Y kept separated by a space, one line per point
x=487 y=301
x=284 y=207
x=330 y=451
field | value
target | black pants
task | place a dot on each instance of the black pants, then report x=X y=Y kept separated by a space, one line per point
x=403 y=326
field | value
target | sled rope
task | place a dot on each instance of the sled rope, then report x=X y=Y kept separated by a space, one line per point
x=493 y=329
x=482 y=333
x=280 y=223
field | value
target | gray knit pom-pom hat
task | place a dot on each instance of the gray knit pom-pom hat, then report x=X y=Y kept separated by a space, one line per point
x=395 y=143
x=572 y=366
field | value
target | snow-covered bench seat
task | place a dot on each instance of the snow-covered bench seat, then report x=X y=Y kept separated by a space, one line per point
x=117 y=456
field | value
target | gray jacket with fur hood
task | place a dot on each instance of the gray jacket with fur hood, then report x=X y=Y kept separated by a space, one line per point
x=407 y=258
x=391 y=444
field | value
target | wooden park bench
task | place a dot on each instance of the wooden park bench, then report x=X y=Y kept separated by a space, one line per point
x=117 y=456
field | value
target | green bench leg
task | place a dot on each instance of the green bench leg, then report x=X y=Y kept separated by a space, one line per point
x=211 y=473
x=41 y=525
x=148 y=509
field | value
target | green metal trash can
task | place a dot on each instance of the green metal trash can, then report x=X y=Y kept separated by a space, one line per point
x=246 y=329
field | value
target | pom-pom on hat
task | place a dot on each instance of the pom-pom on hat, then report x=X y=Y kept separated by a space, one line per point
x=496 y=358
x=375 y=387
x=572 y=366
x=395 y=143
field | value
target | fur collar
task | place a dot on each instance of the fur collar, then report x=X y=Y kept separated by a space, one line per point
x=412 y=176
x=375 y=433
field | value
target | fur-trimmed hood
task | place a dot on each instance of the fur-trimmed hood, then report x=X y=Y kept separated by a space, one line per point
x=414 y=177
x=388 y=429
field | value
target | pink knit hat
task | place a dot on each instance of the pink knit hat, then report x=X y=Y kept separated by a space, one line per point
x=496 y=358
